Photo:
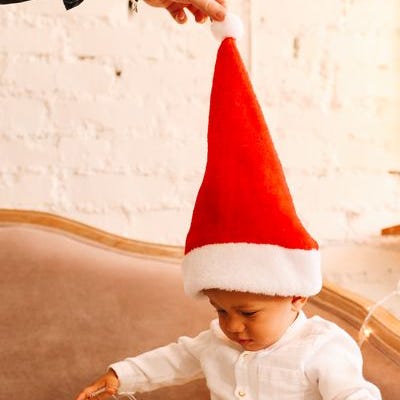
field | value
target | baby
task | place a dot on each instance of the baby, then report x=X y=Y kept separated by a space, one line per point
x=260 y=347
x=248 y=252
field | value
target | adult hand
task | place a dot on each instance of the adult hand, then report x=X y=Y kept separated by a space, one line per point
x=201 y=9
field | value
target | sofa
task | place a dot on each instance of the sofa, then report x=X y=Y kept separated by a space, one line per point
x=74 y=299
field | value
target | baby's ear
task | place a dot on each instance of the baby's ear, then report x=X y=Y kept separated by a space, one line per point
x=298 y=303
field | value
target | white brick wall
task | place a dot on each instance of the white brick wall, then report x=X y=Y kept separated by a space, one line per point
x=103 y=118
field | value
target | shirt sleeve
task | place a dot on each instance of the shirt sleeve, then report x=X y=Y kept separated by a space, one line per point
x=67 y=3
x=72 y=3
x=11 y=1
x=336 y=367
x=174 y=364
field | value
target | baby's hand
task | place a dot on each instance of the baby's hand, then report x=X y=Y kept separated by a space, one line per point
x=104 y=387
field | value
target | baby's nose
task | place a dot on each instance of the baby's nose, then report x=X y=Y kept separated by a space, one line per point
x=234 y=325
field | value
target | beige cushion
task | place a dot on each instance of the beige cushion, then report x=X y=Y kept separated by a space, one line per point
x=68 y=309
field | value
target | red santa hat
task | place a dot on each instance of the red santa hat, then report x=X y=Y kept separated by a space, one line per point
x=245 y=234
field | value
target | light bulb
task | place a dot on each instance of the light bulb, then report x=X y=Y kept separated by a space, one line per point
x=367 y=332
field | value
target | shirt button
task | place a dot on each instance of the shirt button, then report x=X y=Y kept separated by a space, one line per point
x=242 y=394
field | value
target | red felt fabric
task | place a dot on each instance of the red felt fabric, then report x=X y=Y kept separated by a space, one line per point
x=244 y=196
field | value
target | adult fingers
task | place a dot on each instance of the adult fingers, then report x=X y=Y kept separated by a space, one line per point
x=212 y=8
x=177 y=12
x=198 y=14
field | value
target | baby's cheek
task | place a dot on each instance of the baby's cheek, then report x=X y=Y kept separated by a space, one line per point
x=222 y=324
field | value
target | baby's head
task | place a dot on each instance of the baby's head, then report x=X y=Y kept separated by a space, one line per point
x=255 y=321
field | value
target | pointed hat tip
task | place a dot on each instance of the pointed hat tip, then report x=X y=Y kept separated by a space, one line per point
x=230 y=27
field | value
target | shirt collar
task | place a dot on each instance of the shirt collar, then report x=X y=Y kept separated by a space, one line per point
x=293 y=329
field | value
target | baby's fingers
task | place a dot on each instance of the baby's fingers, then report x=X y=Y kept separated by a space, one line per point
x=91 y=392
x=98 y=391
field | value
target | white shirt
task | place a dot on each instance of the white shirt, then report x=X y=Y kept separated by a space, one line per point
x=314 y=359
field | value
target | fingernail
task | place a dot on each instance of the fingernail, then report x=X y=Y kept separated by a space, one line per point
x=220 y=16
x=180 y=17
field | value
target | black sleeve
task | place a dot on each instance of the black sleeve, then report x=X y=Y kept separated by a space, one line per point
x=11 y=1
x=68 y=3
x=72 y=3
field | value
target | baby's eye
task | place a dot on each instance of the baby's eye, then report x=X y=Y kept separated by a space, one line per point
x=248 y=313
x=221 y=312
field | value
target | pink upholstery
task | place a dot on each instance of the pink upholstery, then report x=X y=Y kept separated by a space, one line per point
x=69 y=307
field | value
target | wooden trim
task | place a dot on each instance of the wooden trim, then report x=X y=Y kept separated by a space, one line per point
x=392 y=230
x=44 y=219
x=353 y=309
x=343 y=303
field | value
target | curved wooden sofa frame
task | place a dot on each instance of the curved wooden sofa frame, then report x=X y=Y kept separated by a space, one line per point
x=391 y=230
x=332 y=300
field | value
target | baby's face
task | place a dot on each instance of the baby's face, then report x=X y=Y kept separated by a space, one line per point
x=255 y=321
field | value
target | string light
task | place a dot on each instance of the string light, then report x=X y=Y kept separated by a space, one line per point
x=132 y=7
x=365 y=331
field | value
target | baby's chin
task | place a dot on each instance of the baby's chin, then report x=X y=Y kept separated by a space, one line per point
x=251 y=345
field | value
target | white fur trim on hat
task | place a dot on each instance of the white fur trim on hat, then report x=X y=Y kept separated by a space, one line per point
x=231 y=26
x=256 y=268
